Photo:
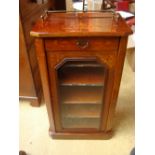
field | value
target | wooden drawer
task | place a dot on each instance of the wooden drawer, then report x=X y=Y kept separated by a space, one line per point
x=78 y=44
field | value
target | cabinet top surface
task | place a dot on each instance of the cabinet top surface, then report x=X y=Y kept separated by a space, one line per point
x=80 y=24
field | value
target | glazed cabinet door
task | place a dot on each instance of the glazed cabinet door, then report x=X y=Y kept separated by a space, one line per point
x=80 y=85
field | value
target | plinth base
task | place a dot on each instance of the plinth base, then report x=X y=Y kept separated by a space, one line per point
x=73 y=135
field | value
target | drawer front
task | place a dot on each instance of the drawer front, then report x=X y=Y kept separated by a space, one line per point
x=78 y=44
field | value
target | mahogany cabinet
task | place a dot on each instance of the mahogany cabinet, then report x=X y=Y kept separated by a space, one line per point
x=59 y=4
x=81 y=57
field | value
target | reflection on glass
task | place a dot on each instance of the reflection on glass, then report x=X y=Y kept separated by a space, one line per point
x=77 y=5
x=90 y=5
x=81 y=89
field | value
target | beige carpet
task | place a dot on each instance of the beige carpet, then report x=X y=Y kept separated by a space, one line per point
x=34 y=138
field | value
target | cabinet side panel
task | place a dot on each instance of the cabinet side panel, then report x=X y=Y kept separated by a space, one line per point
x=117 y=80
x=108 y=94
x=41 y=57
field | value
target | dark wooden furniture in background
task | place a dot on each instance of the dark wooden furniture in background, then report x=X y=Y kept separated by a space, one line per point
x=59 y=4
x=26 y=83
x=29 y=77
x=81 y=57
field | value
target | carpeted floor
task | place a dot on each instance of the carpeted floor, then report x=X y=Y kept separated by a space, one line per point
x=34 y=138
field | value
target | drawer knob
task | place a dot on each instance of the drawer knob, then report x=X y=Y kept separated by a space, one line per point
x=82 y=44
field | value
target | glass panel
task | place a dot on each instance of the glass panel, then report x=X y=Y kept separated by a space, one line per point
x=81 y=94
x=89 y=5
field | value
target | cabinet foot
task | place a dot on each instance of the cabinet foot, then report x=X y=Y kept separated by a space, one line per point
x=35 y=102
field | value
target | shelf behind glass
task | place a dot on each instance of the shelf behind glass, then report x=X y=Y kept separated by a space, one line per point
x=81 y=95
x=76 y=123
x=86 y=76
x=81 y=111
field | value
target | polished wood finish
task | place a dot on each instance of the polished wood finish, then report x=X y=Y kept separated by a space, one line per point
x=93 y=44
x=102 y=39
x=41 y=57
x=27 y=89
x=93 y=135
x=24 y=67
x=29 y=77
x=80 y=24
x=118 y=75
